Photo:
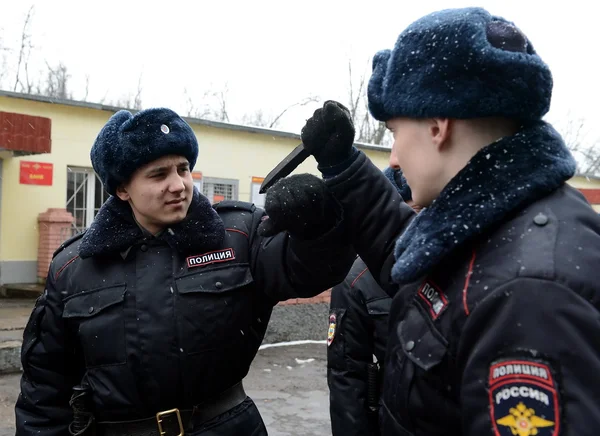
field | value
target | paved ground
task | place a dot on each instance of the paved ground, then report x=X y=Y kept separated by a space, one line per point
x=14 y=313
x=287 y=383
x=291 y=391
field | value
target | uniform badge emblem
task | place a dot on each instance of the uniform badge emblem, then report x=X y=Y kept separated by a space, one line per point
x=331 y=331
x=523 y=399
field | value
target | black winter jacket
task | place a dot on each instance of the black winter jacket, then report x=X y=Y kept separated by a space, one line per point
x=358 y=320
x=495 y=327
x=154 y=323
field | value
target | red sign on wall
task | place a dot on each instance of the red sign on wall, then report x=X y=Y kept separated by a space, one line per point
x=36 y=173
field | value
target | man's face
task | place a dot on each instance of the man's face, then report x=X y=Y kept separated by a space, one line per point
x=160 y=192
x=418 y=156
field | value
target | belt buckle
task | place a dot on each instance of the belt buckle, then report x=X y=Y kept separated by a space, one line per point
x=160 y=417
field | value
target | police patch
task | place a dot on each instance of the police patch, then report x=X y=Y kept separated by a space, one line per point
x=224 y=255
x=523 y=399
x=331 y=331
x=433 y=298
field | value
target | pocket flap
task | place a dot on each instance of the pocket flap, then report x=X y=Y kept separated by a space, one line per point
x=90 y=303
x=421 y=343
x=215 y=280
x=379 y=306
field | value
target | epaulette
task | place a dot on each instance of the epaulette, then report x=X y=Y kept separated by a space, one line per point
x=234 y=204
x=68 y=242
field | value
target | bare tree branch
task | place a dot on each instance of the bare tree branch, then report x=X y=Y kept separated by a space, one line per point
x=28 y=83
x=129 y=100
x=57 y=82
x=198 y=111
x=367 y=128
x=303 y=102
x=213 y=105
x=25 y=44
x=87 y=87
x=586 y=151
x=191 y=110
x=3 y=67
x=222 y=96
x=256 y=118
x=260 y=119
x=137 y=101
x=355 y=96
x=103 y=99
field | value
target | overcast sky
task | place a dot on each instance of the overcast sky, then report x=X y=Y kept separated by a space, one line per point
x=274 y=53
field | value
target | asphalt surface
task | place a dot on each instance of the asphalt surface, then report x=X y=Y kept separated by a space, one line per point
x=287 y=383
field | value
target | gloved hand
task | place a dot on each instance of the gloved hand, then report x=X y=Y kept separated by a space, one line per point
x=397 y=179
x=329 y=134
x=300 y=204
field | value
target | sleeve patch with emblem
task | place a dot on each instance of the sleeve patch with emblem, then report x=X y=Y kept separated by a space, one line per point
x=523 y=398
x=331 y=331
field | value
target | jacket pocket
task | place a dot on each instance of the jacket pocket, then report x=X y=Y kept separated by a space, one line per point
x=215 y=308
x=414 y=369
x=216 y=280
x=379 y=312
x=99 y=321
x=422 y=344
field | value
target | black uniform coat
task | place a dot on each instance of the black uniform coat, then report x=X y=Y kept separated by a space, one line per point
x=358 y=321
x=154 y=323
x=495 y=329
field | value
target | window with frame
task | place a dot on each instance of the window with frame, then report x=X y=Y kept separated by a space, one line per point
x=216 y=189
x=85 y=196
x=197 y=177
x=255 y=196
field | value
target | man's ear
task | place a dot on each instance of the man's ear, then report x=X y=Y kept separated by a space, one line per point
x=440 y=129
x=122 y=193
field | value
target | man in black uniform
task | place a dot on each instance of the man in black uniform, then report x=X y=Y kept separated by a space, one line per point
x=151 y=318
x=356 y=341
x=494 y=326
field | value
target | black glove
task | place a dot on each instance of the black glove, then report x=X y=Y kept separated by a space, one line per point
x=300 y=204
x=395 y=176
x=329 y=134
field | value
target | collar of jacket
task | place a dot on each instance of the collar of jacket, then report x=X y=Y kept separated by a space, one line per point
x=500 y=179
x=114 y=229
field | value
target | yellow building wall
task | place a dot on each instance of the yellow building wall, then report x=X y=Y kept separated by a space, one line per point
x=73 y=132
x=224 y=153
x=242 y=155
x=582 y=182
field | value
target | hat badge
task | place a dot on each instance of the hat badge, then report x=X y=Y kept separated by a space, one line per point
x=165 y=129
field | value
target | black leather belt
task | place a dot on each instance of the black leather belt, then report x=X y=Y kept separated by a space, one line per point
x=174 y=422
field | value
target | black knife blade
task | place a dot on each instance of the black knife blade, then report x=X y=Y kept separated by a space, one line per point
x=285 y=167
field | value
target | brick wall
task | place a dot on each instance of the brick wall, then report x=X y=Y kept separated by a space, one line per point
x=54 y=227
x=321 y=298
x=592 y=195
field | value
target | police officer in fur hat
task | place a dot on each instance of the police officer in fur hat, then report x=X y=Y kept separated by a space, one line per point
x=494 y=323
x=356 y=340
x=151 y=318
